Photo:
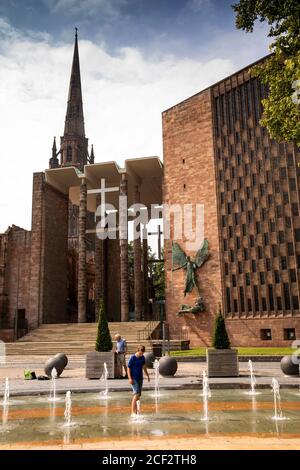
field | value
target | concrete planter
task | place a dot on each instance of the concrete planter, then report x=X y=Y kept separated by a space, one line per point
x=94 y=365
x=222 y=363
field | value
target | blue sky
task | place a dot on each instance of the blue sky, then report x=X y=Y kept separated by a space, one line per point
x=181 y=27
x=137 y=58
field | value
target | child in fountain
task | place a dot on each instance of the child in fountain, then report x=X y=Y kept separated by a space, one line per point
x=135 y=368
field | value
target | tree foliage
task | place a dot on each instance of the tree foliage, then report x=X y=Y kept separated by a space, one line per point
x=156 y=274
x=280 y=72
x=103 y=341
x=221 y=339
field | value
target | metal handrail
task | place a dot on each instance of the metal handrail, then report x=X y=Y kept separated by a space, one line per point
x=182 y=335
x=146 y=333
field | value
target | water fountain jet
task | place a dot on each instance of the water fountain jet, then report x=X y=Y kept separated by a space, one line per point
x=104 y=393
x=278 y=416
x=52 y=396
x=68 y=410
x=156 y=377
x=252 y=380
x=6 y=393
x=206 y=394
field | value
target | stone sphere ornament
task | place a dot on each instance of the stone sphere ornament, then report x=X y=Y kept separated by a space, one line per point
x=288 y=367
x=63 y=358
x=149 y=358
x=52 y=363
x=167 y=366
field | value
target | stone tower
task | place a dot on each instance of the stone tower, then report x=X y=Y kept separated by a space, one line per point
x=73 y=144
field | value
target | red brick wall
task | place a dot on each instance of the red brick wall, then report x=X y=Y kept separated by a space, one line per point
x=113 y=280
x=48 y=260
x=3 y=280
x=187 y=135
x=246 y=332
x=7 y=335
x=55 y=256
x=36 y=264
x=18 y=265
x=14 y=286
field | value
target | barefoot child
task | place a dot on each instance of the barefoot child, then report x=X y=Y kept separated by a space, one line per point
x=135 y=368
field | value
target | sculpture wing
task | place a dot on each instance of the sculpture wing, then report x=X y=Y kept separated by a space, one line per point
x=178 y=257
x=202 y=254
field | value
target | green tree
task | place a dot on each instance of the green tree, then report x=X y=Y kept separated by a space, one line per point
x=220 y=340
x=157 y=273
x=280 y=72
x=103 y=341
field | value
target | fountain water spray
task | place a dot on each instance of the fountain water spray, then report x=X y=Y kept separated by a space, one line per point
x=252 y=379
x=5 y=415
x=277 y=401
x=104 y=393
x=138 y=417
x=206 y=394
x=53 y=385
x=138 y=408
x=156 y=371
x=68 y=409
x=6 y=393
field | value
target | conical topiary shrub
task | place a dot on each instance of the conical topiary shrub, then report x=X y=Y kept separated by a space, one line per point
x=221 y=340
x=103 y=342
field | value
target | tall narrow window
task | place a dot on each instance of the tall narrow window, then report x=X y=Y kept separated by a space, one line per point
x=287 y=300
x=279 y=303
x=228 y=302
x=256 y=298
x=69 y=153
x=271 y=298
x=293 y=276
x=242 y=301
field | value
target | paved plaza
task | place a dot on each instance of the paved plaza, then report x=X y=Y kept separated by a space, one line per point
x=188 y=375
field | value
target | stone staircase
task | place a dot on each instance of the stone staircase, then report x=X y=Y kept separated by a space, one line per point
x=76 y=339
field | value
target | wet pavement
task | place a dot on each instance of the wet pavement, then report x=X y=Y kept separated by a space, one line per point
x=188 y=375
x=237 y=420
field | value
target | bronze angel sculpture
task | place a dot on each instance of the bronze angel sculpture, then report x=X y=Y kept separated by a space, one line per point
x=181 y=261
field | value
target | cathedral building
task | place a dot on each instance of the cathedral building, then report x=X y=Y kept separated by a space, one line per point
x=216 y=155
x=60 y=271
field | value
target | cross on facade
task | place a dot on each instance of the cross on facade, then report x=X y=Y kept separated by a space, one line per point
x=159 y=233
x=102 y=190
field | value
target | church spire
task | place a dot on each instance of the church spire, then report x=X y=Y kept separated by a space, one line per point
x=53 y=162
x=74 y=144
x=92 y=156
x=74 y=124
x=54 y=150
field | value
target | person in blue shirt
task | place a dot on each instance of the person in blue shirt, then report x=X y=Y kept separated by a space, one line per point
x=135 y=368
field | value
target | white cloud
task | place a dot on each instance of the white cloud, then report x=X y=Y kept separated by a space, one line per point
x=198 y=5
x=124 y=96
x=88 y=8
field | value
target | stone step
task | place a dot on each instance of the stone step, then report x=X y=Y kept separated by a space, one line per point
x=54 y=348
x=76 y=339
x=85 y=331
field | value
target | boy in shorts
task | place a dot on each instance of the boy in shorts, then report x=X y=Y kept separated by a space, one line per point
x=135 y=368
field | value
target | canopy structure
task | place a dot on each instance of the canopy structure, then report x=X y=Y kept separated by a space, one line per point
x=145 y=173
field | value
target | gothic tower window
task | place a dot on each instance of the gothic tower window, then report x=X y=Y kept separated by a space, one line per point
x=69 y=153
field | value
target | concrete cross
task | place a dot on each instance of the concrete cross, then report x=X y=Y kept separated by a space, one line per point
x=159 y=233
x=102 y=192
